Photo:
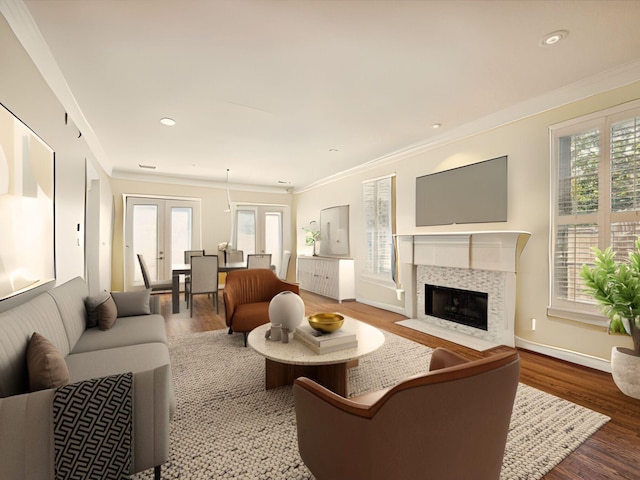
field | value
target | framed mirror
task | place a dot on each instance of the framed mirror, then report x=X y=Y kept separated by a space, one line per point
x=334 y=231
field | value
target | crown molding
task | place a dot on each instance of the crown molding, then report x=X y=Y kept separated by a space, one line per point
x=608 y=80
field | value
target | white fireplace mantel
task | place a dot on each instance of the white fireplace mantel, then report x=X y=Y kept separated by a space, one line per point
x=482 y=250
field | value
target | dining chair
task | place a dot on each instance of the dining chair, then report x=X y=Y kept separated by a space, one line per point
x=187 y=259
x=204 y=279
x=192 y=253
x=235 y=256
x=155 y=286
x=284 y=267
x=259 y=260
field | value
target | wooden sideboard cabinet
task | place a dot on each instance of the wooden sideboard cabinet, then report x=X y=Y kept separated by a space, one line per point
x=328 y=276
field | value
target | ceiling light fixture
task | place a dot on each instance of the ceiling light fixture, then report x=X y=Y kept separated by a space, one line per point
x=553 y=38
x=333 y=149
x=169 y=122
x=436 y=125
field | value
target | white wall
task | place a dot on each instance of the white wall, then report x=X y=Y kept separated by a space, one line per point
x=526 y=142
x=24 y=92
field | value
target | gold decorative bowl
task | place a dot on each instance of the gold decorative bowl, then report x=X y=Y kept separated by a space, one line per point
x=326 y=322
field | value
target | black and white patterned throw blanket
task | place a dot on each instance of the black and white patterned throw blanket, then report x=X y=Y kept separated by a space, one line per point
x=93 y=428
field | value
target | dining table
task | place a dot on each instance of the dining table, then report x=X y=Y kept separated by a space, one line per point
x=185 y=269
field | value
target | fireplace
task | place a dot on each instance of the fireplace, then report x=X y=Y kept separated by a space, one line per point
x=484 y=264
x=465 y=307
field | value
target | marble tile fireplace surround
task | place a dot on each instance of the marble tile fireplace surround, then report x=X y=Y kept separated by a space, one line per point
x=481 y=262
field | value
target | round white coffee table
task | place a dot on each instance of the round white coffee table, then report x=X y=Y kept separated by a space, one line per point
x=284 y=362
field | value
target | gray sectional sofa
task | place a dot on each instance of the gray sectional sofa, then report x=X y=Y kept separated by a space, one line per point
x=136 y=344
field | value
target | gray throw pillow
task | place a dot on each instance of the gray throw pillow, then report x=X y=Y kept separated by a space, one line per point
x=92 y=304
x=132 y=303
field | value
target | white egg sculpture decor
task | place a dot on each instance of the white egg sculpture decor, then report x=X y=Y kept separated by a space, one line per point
x=287 y=309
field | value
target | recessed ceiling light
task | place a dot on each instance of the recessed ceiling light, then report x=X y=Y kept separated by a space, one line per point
x=436 y=125
x=553 y=38
x=169 y=122
x=333 y=149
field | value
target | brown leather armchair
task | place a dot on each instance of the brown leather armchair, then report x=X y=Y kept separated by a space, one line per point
x=247 y=294
x=448 y=424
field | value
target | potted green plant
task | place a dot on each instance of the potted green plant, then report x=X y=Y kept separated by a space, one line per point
x=615 y=286
x=312 y=236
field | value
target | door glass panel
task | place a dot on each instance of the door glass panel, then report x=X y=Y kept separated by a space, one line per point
x=181 y=231
x=145 y=239
x=273 y=237
x=246 y=236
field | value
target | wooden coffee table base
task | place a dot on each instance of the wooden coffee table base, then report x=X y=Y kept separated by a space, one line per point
x=333 y=377
x=286 y=361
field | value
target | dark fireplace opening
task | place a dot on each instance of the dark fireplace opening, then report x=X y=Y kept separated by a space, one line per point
x=460 y=306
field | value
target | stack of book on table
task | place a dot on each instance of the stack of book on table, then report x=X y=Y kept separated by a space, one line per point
x=321 y=342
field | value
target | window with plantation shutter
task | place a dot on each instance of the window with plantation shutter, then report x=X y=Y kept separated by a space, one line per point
x=379 y=217
x=595 y=189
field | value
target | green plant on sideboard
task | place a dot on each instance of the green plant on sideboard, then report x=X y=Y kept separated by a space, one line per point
x=312 y=235
x=615 y=286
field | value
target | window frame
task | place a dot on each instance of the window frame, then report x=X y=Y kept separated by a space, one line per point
x=603 y=218
x=383 y=279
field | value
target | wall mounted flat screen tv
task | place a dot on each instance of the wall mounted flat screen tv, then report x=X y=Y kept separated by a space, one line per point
x=475 y=193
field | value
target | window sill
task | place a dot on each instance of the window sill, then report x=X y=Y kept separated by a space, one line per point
x=584 y=317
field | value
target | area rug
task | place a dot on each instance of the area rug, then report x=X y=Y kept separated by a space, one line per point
x=226 y=426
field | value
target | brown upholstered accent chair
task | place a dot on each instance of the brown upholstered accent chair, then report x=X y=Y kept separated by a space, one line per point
x=448 y=424
x=247 y=294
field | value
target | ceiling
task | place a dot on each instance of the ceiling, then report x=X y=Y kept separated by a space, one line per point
x=286 y=93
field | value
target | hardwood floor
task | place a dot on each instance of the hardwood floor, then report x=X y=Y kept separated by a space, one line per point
x=613 y=452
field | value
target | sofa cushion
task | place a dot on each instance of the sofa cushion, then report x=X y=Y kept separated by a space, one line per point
x=45 y=364
x=69 y=298
x=126 y=331
x=16 y=327
x=113 y=361
x=107 y=314
x=92 y=304
x=132 y=303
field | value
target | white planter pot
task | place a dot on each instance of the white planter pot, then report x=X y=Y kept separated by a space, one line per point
x=625 y=368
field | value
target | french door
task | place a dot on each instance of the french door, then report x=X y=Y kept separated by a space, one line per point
x=160 y=229
x=259 y=229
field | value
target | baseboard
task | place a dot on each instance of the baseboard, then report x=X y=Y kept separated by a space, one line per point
x=566 y=355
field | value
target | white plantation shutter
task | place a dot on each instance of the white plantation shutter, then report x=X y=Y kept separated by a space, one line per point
x=379 y=217
x=596 y=201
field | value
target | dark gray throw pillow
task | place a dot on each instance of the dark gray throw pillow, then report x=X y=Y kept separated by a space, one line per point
x=107 y=314
x=45 y=364
x=92 y=304
x=132 y=303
